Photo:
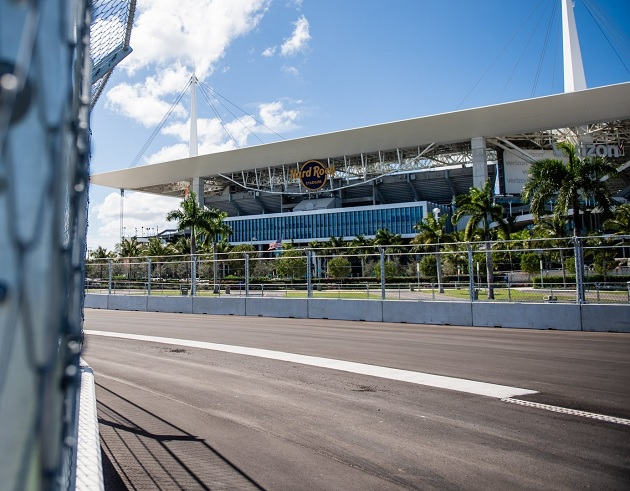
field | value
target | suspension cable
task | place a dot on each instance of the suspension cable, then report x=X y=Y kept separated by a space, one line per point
x=603 y=21
x=215 y=94
x=155 y=132
x=207 y=94
x=544 y=49
x=223 y=125
x=499 y=55
x=529 y=40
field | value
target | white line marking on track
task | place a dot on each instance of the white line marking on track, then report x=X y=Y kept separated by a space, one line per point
x=420 y=378
x=573 y=412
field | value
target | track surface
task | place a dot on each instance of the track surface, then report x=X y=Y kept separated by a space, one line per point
x=174 y=417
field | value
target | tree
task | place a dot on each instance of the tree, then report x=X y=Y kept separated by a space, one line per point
x=236 y=258
x=620 y=222
x=159 y=250
x=387 y=239
x=555 y=227
x=361 y=247
x=530 y=263
x=479 y=204
x=333 y=245
x=339 y=267
x=567 y=183
x=384 y=237
x=292 y=263
x=156 y=248
x=432 y=230
x=194 y=217
x=129 y=247
x=101 y=253
x=212 y=228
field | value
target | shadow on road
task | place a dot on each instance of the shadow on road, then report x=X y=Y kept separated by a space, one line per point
x=144 y=451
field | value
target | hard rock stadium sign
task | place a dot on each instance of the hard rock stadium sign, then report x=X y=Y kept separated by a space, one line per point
x=312 y=174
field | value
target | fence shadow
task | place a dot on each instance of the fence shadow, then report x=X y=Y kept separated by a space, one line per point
x=144 y=451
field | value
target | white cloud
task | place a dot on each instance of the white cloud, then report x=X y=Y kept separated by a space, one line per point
x=141 y=212
x=268 y=52
x=295 y=3
x=298 y=42
x=291 y=70
x=170 y=38
x=195 y=31
x=277 y=118
x=212 y=136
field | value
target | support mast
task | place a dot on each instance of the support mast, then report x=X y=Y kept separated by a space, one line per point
x=574 y=78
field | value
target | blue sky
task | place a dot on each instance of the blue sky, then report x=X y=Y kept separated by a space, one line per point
x=306 y=67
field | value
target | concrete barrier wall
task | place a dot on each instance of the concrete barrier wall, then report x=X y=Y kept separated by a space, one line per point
x=560 y=316
x=219 y=306
x=127 y=302
x=95 y=301
x=413 y=312
x=180 y=304
x=359 y=310
x=605 y=318
x=277 y=307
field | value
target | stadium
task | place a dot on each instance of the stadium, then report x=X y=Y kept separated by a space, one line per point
x=390 y=176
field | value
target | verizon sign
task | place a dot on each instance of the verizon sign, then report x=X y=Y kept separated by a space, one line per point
x=516 y=167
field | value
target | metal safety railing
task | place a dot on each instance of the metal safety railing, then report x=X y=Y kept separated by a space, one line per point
x=522 y=271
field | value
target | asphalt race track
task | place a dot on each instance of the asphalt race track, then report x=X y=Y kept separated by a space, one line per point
x=260 y=403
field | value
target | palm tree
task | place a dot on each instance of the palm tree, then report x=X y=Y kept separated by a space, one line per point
x=213 y=228
x=567 y=182
x=362 y=247
x=156 y=248
x=432 y=230
x=194 y=217
x=332 y=245
x=129 y=247
x=159 y=250
x=101 y=253
x=555 y=228
x=479 y=204
x=620 y=223
x=384 y=237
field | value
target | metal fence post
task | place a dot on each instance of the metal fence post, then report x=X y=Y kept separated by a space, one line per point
x=149 y=276
x=193 y=274
x=110 y=275
x=309 y=274
x=579 y=270
x=471 y=273
x=382 y=251
x=246 y=275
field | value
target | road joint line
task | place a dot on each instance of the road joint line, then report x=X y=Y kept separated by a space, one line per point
x=566 y=410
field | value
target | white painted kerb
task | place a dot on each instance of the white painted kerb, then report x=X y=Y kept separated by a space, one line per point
x=420 y=378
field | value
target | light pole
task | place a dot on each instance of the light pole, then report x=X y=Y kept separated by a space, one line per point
x=438 y=258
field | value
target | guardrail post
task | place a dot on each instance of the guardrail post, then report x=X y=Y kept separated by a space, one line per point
x=309 y=274
x=382 y=264
x=579 y=270
x=597 y=289
x=110 y=274
x=246 y=275
x=149 y=276
x=471 y=273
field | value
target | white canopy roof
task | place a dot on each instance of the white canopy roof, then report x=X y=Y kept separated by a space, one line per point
x=598 y=105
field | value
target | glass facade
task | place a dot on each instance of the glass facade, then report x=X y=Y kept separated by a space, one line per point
x=323 y=224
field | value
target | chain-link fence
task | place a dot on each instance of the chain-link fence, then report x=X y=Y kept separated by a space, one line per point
x=534 y=270
x=44 y=147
